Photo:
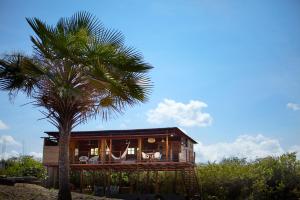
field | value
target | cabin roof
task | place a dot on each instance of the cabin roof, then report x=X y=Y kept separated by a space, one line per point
x=148 y=131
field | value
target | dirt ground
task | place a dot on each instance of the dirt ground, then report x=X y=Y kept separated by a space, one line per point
x=35 y=192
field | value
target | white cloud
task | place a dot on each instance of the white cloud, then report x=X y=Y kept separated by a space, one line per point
x=186 y=115
x=3 y=125
x=295 y=148
x=7 y=155
x=245 y=146
x=14 y=153
x=8 y=140
x=36 y=155
x=293 y=106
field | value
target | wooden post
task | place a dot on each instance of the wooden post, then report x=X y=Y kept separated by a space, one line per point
x=103 y=147
x=171 y=152
x=137 y=181
x=139 y=155
x=109 y=182
x=120 y=177
x=110 y=150
x=105 y=178
x=156 y=188
x=81 y=180
x=130 y=182
x=147 y=182
x=175 y=182
x=93 y=180
x=167 y=148
x=99 y=148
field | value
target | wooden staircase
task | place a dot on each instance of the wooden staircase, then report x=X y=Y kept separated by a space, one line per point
x=191 y=184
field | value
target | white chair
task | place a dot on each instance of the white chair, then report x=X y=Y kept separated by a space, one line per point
x=157 y=155
x=83 y=159
x=145 y=156
x=94 y=160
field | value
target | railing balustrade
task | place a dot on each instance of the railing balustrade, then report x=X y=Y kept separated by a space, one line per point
x=105 y=157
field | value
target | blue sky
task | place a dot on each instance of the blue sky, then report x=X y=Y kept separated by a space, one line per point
x=241 y=59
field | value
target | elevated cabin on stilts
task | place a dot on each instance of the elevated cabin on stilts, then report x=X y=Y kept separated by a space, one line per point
x=154 y=151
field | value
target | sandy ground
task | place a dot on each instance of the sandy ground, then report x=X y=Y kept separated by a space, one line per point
x=35 y=192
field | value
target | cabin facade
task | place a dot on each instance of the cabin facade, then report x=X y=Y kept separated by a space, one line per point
x=157 y=149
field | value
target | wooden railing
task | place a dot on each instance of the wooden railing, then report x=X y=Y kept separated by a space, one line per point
x=116 y=157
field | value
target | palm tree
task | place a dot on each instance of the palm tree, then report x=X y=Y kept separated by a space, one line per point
x=78 y=70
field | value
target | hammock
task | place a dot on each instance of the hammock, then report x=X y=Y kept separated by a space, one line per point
x=123 y=154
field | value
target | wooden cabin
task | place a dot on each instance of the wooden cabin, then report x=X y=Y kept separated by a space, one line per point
x=156 y=149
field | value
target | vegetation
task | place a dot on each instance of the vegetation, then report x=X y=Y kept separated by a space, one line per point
x=23 y=166
x=78 y=70
x=267 y=178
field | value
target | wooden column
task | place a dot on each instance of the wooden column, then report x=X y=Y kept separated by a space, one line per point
x=93 y=180
x=103 y=146
x=109 y=181
x=156 y=187
x=171 y=151
x=137 y=181
x=139 y=153
x=130 y=182
x=147 y=182
x=99 y=148
x=175 y=182
x=110 y=150
x=119 y=178
x=167 y=148
x=105 y=178
x=81 y=180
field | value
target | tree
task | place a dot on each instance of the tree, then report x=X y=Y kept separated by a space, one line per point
x=24 y=166
x=79 y=69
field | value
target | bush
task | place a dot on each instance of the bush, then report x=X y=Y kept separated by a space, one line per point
x=23 y=166
x=267 y=178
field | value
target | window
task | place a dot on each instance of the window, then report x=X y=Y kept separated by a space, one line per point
x=131 y=151
x=94 y=151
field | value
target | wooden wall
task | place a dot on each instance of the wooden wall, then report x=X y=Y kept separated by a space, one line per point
x=52 y=179
x=50 y=155
x=187 y=150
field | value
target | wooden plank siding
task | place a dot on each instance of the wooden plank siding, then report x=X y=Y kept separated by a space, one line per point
x=50 y=155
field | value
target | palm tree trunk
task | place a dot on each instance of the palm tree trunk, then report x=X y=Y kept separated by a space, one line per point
x=64 y=164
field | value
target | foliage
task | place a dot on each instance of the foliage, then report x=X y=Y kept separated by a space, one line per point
x=79 y=69
x=24 y=166
x=267 y=178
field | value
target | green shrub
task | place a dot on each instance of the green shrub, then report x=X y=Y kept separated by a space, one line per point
x=24 y=166
x=267 y=178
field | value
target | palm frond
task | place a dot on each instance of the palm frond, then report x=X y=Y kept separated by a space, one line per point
x=18 y=72
x=79 y=70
